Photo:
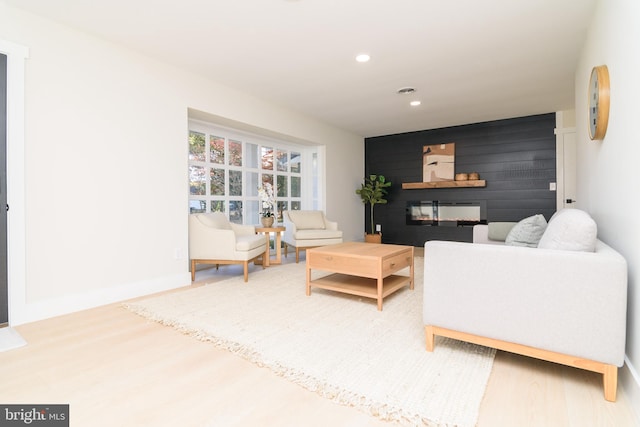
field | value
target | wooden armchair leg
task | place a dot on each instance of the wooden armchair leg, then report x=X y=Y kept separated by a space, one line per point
x=246 y=271
x=297 y=255
x=193 y=270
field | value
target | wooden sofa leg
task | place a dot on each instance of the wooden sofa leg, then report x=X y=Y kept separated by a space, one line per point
x=429 y=337
x=193 y=270
x=610 y=380
x=246 y=271
x=297 y=255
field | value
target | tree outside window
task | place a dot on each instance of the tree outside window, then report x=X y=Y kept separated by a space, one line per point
x=225 y=173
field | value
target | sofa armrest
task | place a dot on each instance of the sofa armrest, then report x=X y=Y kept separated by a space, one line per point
x=563 y=301
x=211 y=243
x=330 y=225
x=493 y=233
x=481 y=234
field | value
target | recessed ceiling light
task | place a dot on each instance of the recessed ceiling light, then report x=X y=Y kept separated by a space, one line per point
x=406 y=90
x=415 y=103
x=363 y=57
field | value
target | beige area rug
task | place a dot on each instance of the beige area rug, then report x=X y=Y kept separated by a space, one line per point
x=337 y=345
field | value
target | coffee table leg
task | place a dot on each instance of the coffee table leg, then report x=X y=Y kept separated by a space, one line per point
x=411 y=269
x=380 y=282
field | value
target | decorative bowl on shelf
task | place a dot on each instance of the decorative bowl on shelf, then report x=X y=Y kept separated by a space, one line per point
x=461 y=177
x=474 y=176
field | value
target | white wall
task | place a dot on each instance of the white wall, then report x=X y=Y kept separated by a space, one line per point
x=106 y=181
x=607 y=170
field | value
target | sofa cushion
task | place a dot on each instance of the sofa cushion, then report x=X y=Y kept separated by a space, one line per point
x=500 y=230
x=215 y=220
x=527 y=232
x=307 y=220
x=570 y=230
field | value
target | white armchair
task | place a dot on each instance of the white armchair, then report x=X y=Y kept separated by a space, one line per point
x=215 y=240
x=308 y=229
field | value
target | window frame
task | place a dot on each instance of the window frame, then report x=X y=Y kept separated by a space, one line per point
x=309 y=175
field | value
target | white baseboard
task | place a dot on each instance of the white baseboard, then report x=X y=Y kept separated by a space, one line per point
x=40 y=310
x=629 y=380
x=10 y=339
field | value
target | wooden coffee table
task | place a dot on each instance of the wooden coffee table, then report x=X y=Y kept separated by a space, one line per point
x=363 y=269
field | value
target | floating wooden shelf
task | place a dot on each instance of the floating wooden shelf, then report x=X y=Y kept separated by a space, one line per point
x=444 y=184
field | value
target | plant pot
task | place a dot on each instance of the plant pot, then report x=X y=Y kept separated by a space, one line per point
x=373 y=238
x=267 y=221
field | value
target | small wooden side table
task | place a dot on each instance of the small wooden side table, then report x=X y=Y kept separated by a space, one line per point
x=277 y=230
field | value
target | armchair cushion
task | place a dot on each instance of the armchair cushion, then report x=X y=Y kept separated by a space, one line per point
x=249 y=242
x=318 y=234
x=216 y=220
x=308 y=220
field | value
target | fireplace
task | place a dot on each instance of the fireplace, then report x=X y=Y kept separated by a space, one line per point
x=441 y=213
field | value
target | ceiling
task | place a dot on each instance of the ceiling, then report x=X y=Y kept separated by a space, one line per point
x=469 y=60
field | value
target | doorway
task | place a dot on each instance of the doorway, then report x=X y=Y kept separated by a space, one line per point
x=565 y=159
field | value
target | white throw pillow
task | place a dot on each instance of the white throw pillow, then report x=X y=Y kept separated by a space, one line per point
x=570 y=230
x=527 y=232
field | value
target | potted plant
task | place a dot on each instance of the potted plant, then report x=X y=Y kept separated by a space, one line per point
x=373 y=192
x=268 y=198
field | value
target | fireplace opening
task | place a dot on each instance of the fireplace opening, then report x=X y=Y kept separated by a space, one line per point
x=440 y=213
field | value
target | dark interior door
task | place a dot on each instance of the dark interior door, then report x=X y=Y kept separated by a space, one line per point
x=4 y=282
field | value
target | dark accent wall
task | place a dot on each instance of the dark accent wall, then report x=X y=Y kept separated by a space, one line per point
x=516 y=157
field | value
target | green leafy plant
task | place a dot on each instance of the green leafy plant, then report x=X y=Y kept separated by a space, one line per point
x=373 y=191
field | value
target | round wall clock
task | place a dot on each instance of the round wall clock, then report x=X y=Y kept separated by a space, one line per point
x=598 y=102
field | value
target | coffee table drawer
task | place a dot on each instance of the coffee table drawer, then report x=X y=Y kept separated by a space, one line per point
x=395 y=263
x=357 y=266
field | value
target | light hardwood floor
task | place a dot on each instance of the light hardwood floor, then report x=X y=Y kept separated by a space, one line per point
x=116 y=368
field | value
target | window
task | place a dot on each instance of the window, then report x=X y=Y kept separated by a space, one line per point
x=227 y=167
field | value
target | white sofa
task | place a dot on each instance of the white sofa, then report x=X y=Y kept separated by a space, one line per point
x=215 y=240
x=308 y=229
x=565 y=306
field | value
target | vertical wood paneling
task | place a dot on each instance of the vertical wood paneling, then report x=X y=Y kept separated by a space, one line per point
x=516 y=157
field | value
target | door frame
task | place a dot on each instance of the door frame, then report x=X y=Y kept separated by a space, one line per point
x=16 y=218
x=565 y=162
x=4 y=278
